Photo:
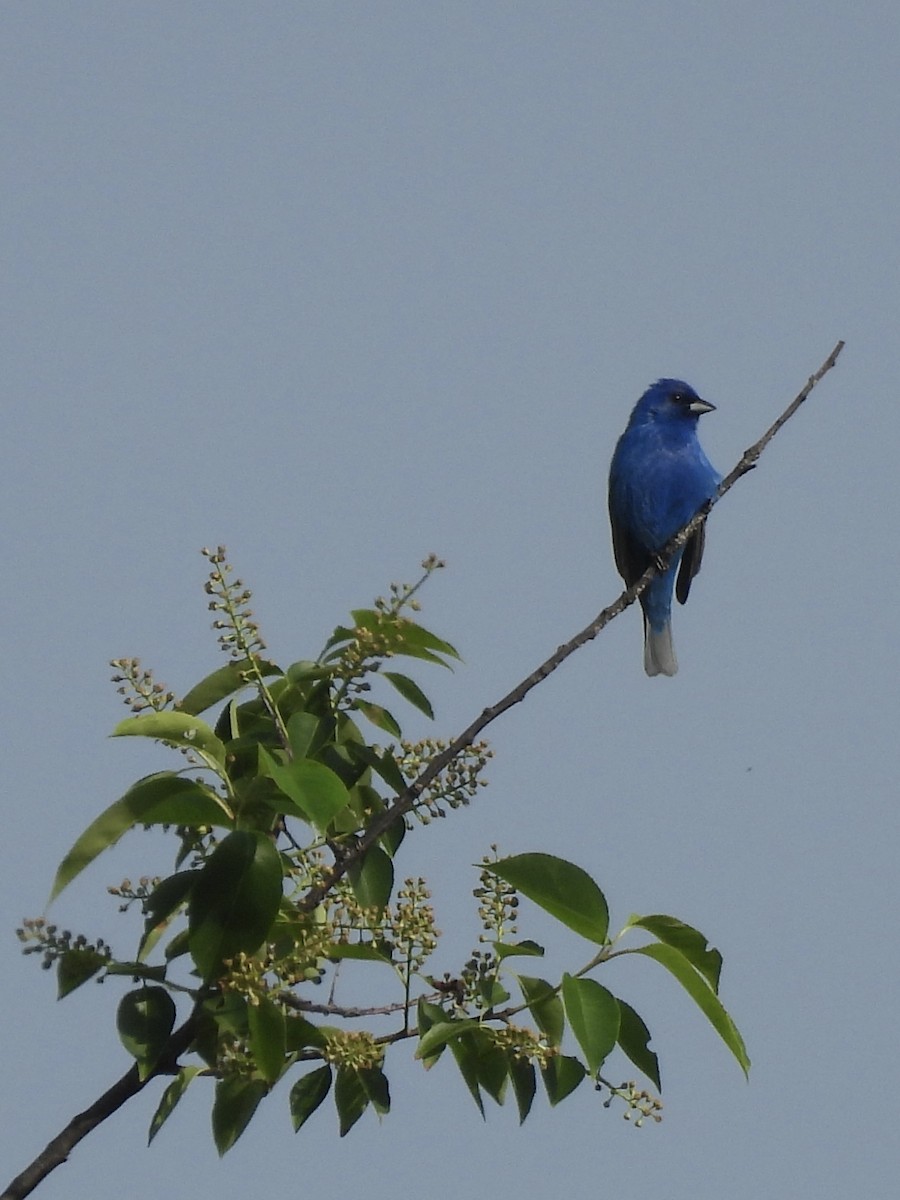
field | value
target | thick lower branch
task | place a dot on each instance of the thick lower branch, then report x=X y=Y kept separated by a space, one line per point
x=57 y=1151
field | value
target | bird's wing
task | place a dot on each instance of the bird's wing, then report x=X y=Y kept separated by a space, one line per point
x=690 y=563
x=631 y=558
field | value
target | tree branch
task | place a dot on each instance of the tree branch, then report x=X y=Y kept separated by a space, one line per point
x=406 y=800
x=59 y=1149
x=298 y=1004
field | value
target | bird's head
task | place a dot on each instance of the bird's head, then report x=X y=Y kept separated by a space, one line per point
x=670 y=400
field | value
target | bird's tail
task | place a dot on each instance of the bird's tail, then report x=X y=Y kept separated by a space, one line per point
x=659 y=652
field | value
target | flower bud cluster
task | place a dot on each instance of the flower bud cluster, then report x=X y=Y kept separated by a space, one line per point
x=238 y=632
x=454 y=786
x=137 y=687
x=524 y=1044
x=47 y=940
x=498 y=905
x=367 y=646
x=352 y=1048
x=305 y=941
x=638 y=1101
x=479 y=976
x=128 y=893
x=246 y=975
x=410 y=926
x=234 y=1057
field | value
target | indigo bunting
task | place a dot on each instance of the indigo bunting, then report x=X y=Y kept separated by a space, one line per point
x=658 y=479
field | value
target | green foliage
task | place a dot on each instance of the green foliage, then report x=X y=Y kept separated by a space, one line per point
x=564 y=890
x=160 y=799
x=308 y=1093
x=234 y=900
x=145 y=1019
x=170 y=1098
x=593 y=1014
x=288 y=822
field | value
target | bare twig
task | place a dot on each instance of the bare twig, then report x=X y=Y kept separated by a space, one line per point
x=298 y=1004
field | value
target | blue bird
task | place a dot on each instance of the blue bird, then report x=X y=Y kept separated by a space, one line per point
x=658 y=479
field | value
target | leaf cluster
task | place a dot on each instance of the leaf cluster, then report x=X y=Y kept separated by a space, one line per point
x=288 y=820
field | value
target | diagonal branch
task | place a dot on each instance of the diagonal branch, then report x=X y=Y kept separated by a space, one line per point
x=406 y=800
x=58 y=1150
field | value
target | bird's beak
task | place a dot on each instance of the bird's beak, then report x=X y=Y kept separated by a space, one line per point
x=699 y=406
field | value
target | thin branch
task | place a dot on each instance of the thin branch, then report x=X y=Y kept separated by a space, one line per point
x=406 y=800
x=349 y=1014
x=57 y=1151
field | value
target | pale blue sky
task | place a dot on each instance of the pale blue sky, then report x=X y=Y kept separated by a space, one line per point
x=342 y=284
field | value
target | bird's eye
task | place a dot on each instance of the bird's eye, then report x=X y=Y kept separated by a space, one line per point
x=679 y=398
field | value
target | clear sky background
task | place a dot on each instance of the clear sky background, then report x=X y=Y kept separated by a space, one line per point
x=339 y=284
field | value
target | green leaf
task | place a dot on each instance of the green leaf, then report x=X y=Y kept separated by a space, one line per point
x=700 y=991
x=428 y=1015
x=300 y=1033
x=380 y=717
x=180 y=944
x=234 y=900
x=266 y=1022
x=415 y=639
x=481 y=1062
x=175 y=729
x=75 y=967
x=161 y=799
x=220 y=685
x=691 y=942
x=161 y=906
x=465 y=1053
x=634 y=1038
x=350 y=1098
x=594 y=1017
x=168 y=896
x=393 y=836
x=372 y=878
x=383 y=764
x=308 y=1093
x=561 y=1077
x=366 y=804
x=307 y=671
x=563 y=890
x=441 y=1033
x=524 y=1082
x=314 y=788
x=397 y=635
x=375 y=1085
x=492 y=992
x=237 y=1099
x=170 y=1098
x=545 y=1006
x=492 y=1064
x=145 y=1018
x=410 y=691
x=302 y=728
x=343 y=762
x=526 y=949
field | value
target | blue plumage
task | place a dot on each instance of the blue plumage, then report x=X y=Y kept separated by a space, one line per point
x=658 y=479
